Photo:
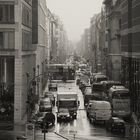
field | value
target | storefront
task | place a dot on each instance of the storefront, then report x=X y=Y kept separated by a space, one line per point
x=6 y=88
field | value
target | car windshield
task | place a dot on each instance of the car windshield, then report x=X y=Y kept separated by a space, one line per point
x=66 y=104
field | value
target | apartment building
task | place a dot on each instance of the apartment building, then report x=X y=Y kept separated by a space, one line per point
x=113 y=38
x=130 y=45
x=23 y=51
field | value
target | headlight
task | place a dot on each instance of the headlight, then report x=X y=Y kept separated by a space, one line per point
x=68 y=115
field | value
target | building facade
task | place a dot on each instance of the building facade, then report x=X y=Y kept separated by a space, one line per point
x=113 y=38
x=22 y=50
x=95 y=42
x=131 y=51
x=16 y=51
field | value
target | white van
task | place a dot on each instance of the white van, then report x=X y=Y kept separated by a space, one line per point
x=99 y=111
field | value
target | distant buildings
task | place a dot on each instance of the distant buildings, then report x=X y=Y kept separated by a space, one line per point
x=95 y=43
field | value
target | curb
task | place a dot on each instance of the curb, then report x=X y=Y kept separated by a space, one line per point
x=61 y=136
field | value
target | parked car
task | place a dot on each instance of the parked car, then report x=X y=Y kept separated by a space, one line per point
x=51 y=96
x=115 y=124
x=45 y=105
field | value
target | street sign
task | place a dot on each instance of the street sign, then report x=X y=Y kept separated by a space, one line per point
x=30 y=131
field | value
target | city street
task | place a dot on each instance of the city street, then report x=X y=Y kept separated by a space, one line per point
x=78 y=129
x=45 y=45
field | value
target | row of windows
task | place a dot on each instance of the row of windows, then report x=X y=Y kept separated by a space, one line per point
x=6 y=13
x=7 y=40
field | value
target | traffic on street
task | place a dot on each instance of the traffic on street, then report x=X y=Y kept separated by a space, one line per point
x=70 y=69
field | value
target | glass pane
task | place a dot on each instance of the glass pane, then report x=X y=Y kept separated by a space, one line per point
x=1 y=39
x=11 y=40
x=6 y=13
x=11 y=13
x=1 y=12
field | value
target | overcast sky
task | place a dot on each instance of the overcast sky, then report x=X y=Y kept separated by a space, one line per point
x=75 y=14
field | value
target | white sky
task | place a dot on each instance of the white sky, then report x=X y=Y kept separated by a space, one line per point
x=75 y=14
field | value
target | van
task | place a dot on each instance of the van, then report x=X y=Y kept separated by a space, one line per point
x=98 y=111
x=45 y=105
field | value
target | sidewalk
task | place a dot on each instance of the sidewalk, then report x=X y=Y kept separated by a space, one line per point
x=11 y=134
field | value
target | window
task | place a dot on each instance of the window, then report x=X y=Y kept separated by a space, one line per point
x=6 y=13
x=7 y=40
x=120 y=23
x=26 y=40
x=1 y=12
x=1 y=39
x=26 y=16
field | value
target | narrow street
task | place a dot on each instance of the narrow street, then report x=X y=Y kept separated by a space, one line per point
x=70 y=69
x=79 y=128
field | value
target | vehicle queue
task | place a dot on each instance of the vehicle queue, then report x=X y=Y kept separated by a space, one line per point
x=106 y=101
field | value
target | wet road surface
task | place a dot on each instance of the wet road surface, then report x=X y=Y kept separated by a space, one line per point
x=79 y=129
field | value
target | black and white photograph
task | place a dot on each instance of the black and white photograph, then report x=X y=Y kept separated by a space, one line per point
x=69 y=69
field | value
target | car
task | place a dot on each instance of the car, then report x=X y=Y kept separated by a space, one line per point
x=115 y=124
x=51 y=96
x=52 y=87
x=45 y=105
x=87 y=89
x=64 y=115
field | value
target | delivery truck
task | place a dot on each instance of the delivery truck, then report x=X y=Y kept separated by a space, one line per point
x=67 y=105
